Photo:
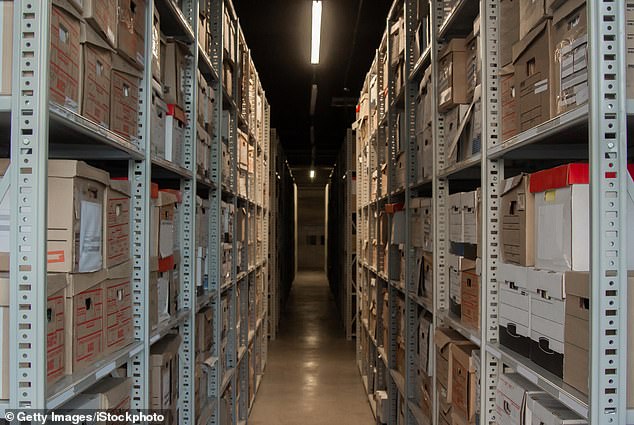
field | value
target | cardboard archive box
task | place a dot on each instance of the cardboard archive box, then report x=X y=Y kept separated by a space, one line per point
x=164 y=373
x=95 y=76
x=542 y=408
x=5 y=220
x=124 y=98
x=547 y=291
x=518 y=221
x=84 y=320
x=445 y=338
x=165 y=226
x=425 y=347
x=75 y=220
x=514 y=313
x=534 y=73
x=468 y=203
x=158 y=47
x=158 y=118
x=463 y=384
x=175 y=123
x=531 y=13
x=204 y=327
x=570 y=51
x=577 y=330
x=509 y=13
x=65 y=55
x=456 y=218
x=117 y=312
x=102 y=16
x=456 y=120
x=131 y=32
x=110 y=394
x=511 y=397
x=457 y=265
x=452 y=75
x=174 y=64
x=470 y=298
x=117 y=220
x=509 y=102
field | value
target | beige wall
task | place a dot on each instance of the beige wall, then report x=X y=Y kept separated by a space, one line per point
x=310 y=228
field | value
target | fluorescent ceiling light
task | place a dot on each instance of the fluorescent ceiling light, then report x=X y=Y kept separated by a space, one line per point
x=312 y=174
x=316 y=38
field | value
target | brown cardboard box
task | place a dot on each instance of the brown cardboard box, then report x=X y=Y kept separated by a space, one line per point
x=577 y=330
x=6 y=46
x=452 y=75
x=444 y=339
x=463 y=383
x=124 y=98
x=75 y=205
x=117 y=313
x=204 y=330
x=96 y=72
x=65 y=55
x=102 y=16
x=534 y=76
x=509 y=102
x=55 y=288
x=84 y=320
x=158 y=47
x=5 y=220
x=518 y=221
x=164 y=372
x=570 y=50
x=153 y=313
x=113 y=394
x=131 y=30
x=509 y=29
x=166 y=207
x=174 y=63
x=470 y=296
x=117 y=237
x=532 y=13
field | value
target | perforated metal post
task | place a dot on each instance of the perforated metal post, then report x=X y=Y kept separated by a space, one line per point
x=140 y=176
x=608 y=188
x=492 y=172
x=215 y=249
x=28 y=204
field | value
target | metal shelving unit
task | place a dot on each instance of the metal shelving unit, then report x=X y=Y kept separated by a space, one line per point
x=40 y=131
x=603 y=122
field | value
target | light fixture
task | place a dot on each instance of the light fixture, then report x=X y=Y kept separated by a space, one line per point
x=316 y=36
x=312 y=174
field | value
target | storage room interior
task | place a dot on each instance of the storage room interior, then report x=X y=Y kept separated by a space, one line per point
x=389 y=212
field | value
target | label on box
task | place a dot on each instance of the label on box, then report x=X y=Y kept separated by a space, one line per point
x=163 y=298
x=90 y=244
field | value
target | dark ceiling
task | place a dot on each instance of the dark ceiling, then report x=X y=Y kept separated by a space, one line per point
x=278 y=33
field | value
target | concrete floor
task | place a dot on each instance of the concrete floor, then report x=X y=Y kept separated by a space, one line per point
x=311 y=377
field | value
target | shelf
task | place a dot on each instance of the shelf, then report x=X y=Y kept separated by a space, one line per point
x=167 y=169
x=71 y=385
x=550 y=383
x=97 y=142
x=421 y=184
x=399 y=285
x=205 y=66
x=241 y=352
x=227 y=100
x=423 y=61
x=241 y=276
x=461 y=169
x=421 y=418
x=382 y=355
x=204 y=181
x=577 y=118
x=423 y=302
x=165 y=327
x=173 y=22
x=468 y=333
x=459 y=22
x=399 y=380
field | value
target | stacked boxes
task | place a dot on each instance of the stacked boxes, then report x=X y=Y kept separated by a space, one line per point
x=117 y=220
x=514 y=323
x=110 y=394
x=65 y=54
x=164 y=376
x=511 y=399
x=117 y=293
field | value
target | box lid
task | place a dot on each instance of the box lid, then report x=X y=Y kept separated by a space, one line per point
x=507 y=70
x=164 y=349
x=121 y=185
x=445 y=336
x=553 y=284
x=547 y=409
x=461 y=353
x=566 y=9
x=121 y=65
x=121 y=271
x=177 y=193
x=562 y=176
x=578 y=283
x=166 y=198
x=513 y=182
x=111 y=391
x=55 y=282
x=88 y=35
x=79 y=282
x=66 y=168
x=527 y=41
x=177 y=112
x=68 y=7
x=454 y=45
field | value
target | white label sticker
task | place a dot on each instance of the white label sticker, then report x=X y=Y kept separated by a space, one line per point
x=163 y=289
x=90 y=242
x=166 y=238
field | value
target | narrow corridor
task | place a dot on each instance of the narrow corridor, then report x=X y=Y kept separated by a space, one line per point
x=311 y=377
